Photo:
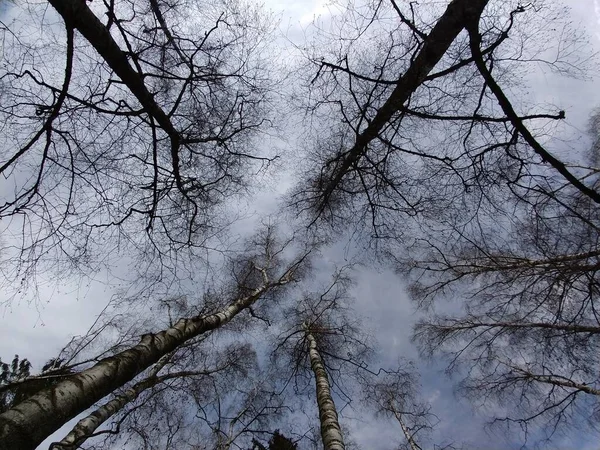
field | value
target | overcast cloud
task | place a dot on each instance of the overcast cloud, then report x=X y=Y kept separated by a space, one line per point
x=38 y=328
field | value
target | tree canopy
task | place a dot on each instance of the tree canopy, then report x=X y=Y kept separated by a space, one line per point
x=236 y=191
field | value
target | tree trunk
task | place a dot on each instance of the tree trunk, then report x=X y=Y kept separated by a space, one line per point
x=455 y=325
x=26 y=425
x=407 y=434
x=77 y=15
x=456 y=17
x=86 y=426
x=331 y=432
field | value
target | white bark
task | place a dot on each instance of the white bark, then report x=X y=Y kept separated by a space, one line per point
x=26 y=425
x=331 y=432
x=407 y=434
x=86 y=427
x=89 y=424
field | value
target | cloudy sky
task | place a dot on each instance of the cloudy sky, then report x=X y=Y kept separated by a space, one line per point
x=38 y=328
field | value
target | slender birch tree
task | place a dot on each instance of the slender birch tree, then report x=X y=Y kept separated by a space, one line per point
x=321 y=346
x=331 y=432
x=259 y=274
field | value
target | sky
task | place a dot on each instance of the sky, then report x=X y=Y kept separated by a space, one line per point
x=38 y=328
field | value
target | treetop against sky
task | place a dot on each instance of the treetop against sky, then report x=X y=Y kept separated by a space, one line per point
x=222 y=220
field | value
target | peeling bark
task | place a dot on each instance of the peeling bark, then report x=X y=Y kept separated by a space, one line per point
x=331 y=433
x=26 y=425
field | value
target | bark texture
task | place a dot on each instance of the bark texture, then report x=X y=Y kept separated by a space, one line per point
x=26 y=425
x=331 y=433
x=89 y=424
x=405 y=430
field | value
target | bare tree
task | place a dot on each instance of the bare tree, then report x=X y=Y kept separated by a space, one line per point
x=502 y=218
x=126 y=131
x=262 y=273
x=529 y=322
x=149 y=131
x=396 y=394
x=323 y=347
x=429 y=52
x=251 y=410
x=440 y=135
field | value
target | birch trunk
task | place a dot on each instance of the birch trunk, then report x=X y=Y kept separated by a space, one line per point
x=407 y=434
x=86 y=426
x=26 y=425
x=331 y=432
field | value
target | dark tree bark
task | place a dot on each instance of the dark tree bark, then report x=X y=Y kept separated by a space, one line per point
x=454 y=20
x=150 y=131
